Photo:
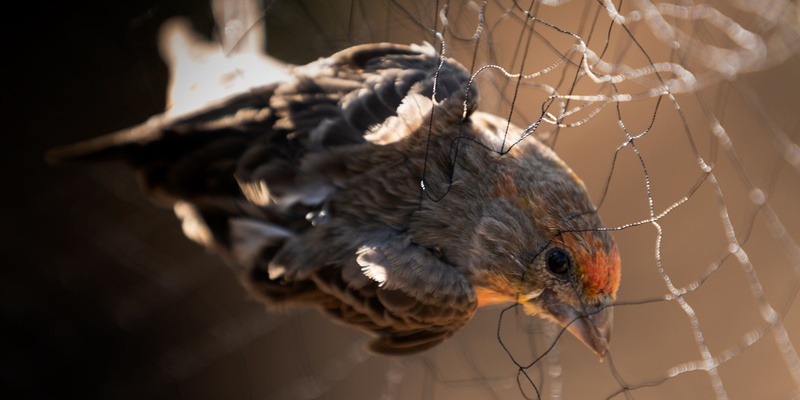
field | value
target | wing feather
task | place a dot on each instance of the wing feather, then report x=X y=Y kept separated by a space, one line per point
x=253 y=176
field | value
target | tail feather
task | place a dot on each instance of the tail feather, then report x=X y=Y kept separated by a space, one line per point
x=107 y=147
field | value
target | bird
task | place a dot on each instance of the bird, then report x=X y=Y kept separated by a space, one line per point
x=368 y=185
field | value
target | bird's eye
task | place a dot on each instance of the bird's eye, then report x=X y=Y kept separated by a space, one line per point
x=557 y=262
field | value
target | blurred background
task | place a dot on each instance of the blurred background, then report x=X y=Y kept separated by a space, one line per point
x=103 y=297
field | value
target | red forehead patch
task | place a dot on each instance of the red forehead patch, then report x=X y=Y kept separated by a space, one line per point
x=602 y=273
x=598 y=268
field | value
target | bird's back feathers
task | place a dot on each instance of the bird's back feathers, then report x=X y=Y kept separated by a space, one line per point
x=260 y=178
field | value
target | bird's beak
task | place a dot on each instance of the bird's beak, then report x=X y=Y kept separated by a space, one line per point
x=592 y=326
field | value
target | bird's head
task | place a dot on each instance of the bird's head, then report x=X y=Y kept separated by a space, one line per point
x=541 y=244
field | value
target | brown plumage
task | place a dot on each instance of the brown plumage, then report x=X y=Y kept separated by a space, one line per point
x=351 y=187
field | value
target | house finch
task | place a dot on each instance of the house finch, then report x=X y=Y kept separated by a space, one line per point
x=368 y=185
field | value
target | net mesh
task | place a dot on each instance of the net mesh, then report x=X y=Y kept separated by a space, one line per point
x=680 y=117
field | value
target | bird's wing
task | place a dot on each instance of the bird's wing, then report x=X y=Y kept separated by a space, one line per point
x=348 y=98
x=433 y=300
x=233 y=170
x=394 y=288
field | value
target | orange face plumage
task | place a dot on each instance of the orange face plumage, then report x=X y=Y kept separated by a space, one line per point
x=598 y=265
